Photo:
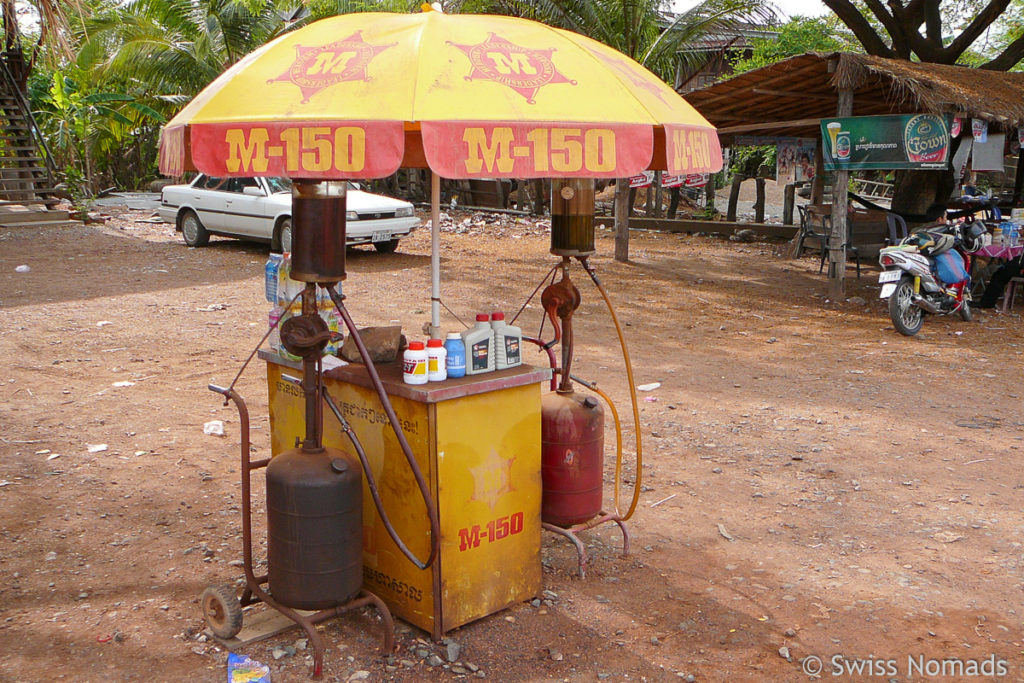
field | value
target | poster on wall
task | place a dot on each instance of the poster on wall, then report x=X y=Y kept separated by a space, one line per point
x=794 y=160
x=918 y=141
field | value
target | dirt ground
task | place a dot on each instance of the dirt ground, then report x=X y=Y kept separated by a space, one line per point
x=814 y=484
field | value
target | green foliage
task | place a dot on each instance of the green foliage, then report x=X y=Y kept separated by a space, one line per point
x=88 y=127
x=748 y=161
x=639 y=28
x=798 y=36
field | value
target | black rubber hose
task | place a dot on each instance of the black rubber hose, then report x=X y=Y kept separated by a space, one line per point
x=435 y=524
x=371 y=482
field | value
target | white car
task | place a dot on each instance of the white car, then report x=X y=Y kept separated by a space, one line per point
x=261 y=209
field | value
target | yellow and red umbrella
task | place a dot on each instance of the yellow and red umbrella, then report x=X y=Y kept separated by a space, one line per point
x=361 y=95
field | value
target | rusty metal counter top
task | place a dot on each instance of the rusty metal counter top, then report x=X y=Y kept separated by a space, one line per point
x=432 y=392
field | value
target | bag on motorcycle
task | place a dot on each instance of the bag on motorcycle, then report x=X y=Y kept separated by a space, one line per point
x=949 y=266
x=931 y=243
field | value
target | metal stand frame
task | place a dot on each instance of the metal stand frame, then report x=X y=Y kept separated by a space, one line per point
x=253 y=592
x=581 y=551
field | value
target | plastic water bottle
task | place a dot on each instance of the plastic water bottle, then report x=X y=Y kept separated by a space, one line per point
x=270 y=276
x=455 y=362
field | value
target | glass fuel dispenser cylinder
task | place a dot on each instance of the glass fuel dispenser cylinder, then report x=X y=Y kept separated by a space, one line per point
x=318 y=230
x=572 y=216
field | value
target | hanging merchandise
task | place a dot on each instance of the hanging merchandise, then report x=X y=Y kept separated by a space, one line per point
x=979 y=129
x=956 y=127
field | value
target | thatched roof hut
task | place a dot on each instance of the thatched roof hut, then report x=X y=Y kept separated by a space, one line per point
x=789 y=98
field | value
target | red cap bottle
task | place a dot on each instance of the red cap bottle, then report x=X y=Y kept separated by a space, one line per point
x=497 y=315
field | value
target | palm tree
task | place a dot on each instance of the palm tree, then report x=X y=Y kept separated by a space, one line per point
x=174 y=47
x=644 y=30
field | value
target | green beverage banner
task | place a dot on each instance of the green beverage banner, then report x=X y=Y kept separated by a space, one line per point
x=918 y=141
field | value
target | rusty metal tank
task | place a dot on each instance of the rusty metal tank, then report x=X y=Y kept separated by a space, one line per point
x=572 y=216
x=314 y=528
x=318 y=230
x=572 y=458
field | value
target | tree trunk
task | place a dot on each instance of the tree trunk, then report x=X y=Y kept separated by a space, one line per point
x=622 y=195
x=674 y=194
x=734 y=197
x=915 y=192
x=538 y=198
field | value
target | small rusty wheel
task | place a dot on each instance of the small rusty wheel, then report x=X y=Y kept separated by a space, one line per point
x=222 y=611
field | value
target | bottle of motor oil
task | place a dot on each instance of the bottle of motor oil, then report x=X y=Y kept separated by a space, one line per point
x=414 y=364
x=270 y=276
x=508 y=340
x=436 y=357
x=479 y=341
x=455 y=363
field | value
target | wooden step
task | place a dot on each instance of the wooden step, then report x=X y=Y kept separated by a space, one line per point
x=20 y=213
x=38 y=225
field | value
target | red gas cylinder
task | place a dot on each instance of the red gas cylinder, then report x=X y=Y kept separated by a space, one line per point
x=572 y=458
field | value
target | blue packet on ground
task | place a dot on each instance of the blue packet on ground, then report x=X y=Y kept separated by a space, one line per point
x=241 y=669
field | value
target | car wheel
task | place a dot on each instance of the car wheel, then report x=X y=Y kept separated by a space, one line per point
x=192 y=230
x=284 y=235
x=386 y=247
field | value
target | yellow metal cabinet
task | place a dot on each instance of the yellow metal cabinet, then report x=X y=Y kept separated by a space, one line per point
x=477 y=441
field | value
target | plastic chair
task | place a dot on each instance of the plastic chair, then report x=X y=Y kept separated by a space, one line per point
x=826 y=222
x=1011 y=293
x=897 y=228
x=807 y=231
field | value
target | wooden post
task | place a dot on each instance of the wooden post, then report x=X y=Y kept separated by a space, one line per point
x=657 y=194
x=818 y=183
x=1018 y=179
x=622 y=196
x=838 y=236
x=759 y=200
x=734 y=197
x=788 y=200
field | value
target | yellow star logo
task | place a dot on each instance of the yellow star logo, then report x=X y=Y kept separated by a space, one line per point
x=492 y=479
x=523 y=69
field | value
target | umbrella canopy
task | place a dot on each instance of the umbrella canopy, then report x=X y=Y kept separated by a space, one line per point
x=361 y=95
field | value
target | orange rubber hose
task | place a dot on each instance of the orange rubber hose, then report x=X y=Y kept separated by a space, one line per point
x=632 y=395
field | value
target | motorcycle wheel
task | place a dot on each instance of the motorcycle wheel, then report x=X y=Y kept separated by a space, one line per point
x=965 y=311
x=906 y=317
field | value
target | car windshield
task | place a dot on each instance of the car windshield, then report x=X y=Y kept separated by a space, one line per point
x=285 y=185
x=279 y=185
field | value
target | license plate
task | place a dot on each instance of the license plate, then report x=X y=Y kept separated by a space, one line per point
x=887 y=290
x=890 y=276
x=380 y=236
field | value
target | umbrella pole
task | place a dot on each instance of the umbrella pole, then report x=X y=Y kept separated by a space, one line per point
x=435 y=255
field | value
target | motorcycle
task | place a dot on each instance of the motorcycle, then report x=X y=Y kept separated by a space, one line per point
x=928 y=272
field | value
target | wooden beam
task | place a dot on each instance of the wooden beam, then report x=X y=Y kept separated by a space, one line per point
x=722 y=227
x=793 y=93
x=768 y=125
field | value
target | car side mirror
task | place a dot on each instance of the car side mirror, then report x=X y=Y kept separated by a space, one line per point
x=253 y=191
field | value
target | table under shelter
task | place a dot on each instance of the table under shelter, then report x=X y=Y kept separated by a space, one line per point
x=791 y=98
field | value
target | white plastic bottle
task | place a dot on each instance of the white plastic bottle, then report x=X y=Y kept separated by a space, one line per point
x=479 y=341
x=508 y=342
x=436 y=357
x=414 y=364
